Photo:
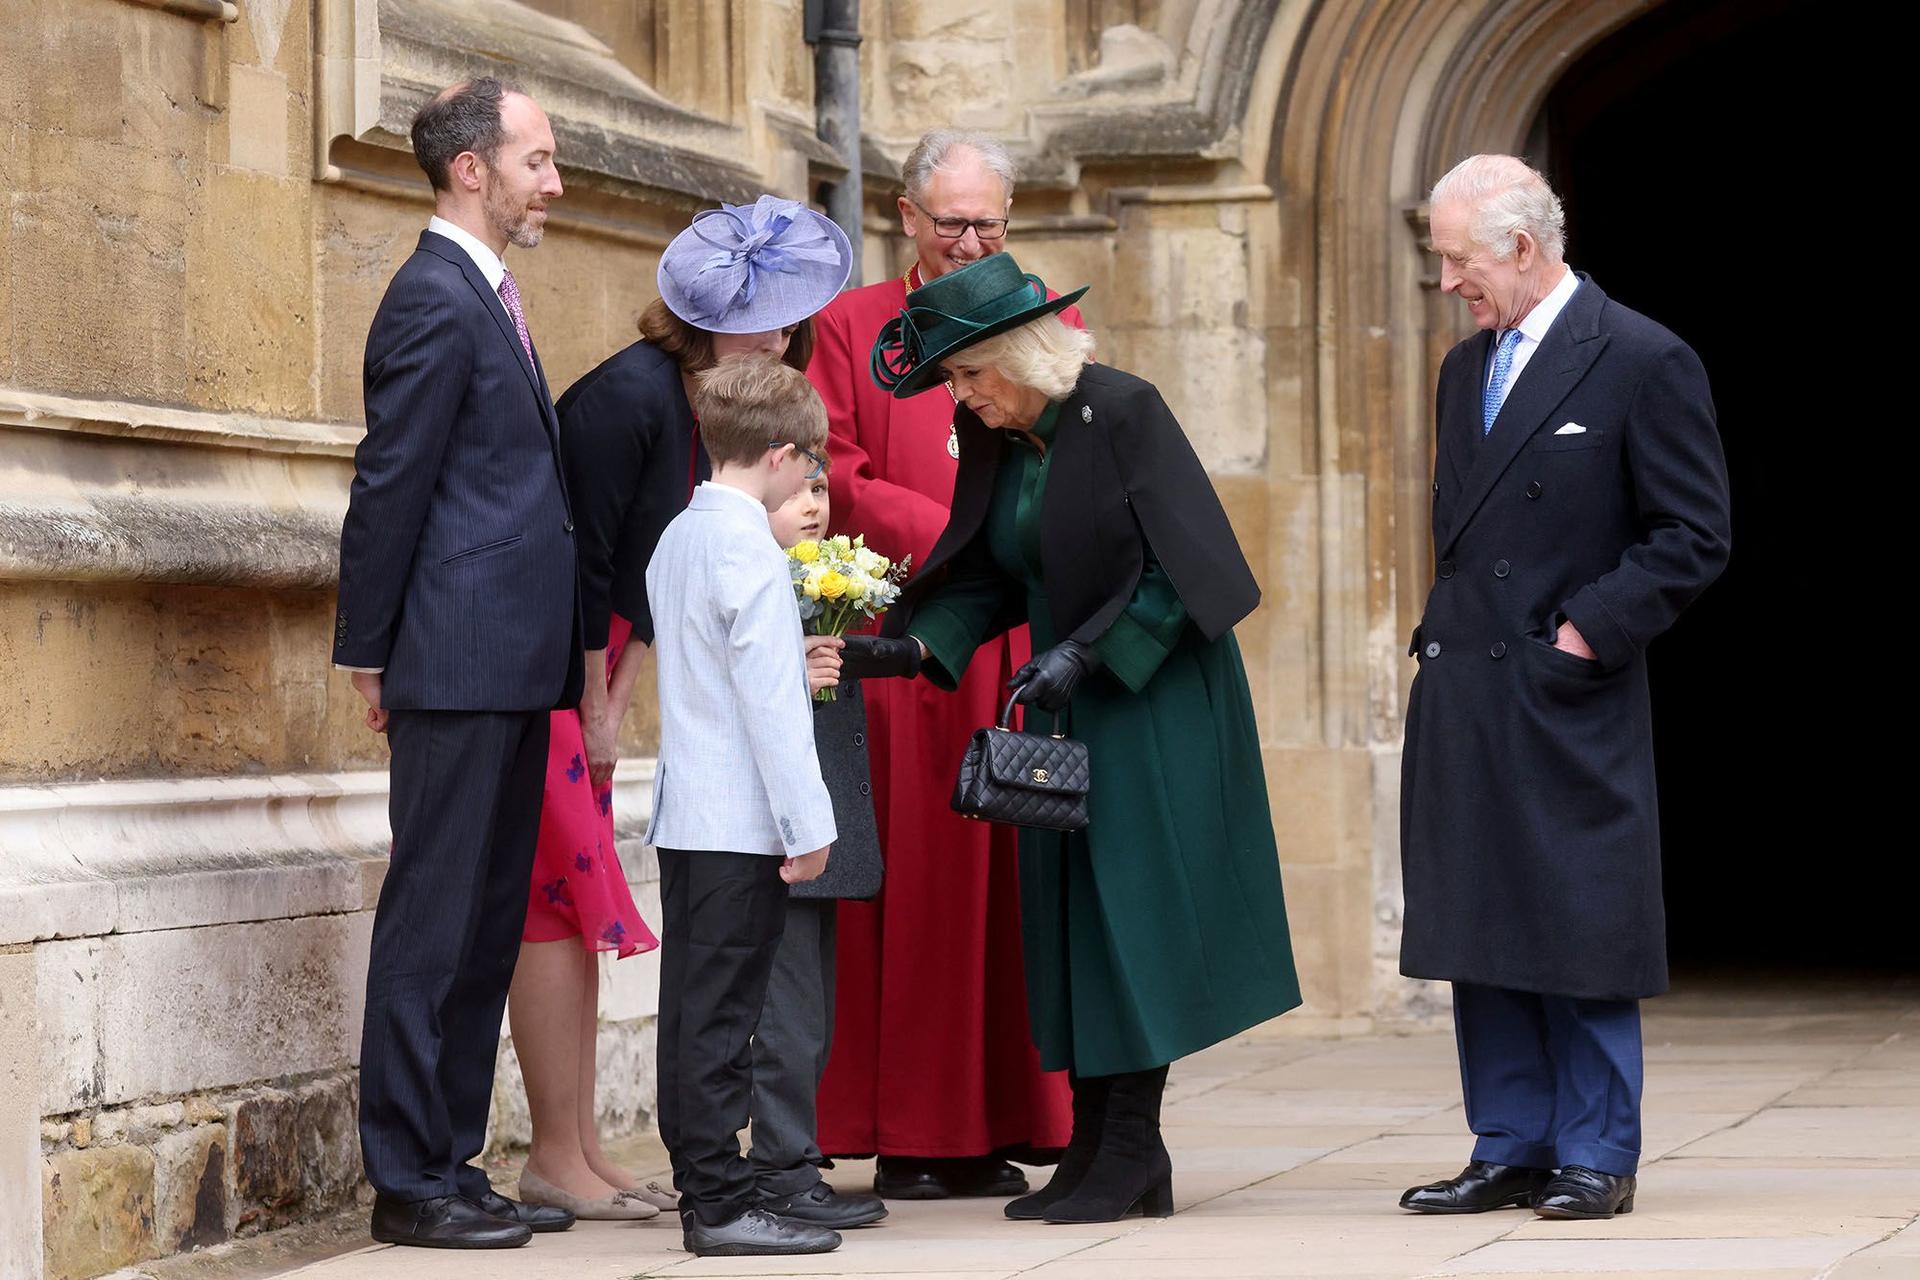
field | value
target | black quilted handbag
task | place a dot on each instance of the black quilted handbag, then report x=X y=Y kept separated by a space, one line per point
x=1024 y=779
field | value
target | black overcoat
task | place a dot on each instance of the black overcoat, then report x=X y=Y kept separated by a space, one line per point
x=1132 y=483
x=1529 y=827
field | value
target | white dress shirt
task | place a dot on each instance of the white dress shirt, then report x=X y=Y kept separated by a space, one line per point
x=1534 y=325
x=484 y=258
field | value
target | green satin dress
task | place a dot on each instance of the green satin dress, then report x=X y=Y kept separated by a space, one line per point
x=1161 y=928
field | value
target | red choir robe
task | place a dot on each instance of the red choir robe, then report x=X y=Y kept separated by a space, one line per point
x=932 y=1051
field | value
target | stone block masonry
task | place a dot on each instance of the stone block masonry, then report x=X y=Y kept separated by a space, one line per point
x=182 y=967
x=121 y=1185
x=198 y=215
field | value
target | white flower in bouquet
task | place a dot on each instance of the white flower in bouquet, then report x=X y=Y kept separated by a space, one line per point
x=840 y=581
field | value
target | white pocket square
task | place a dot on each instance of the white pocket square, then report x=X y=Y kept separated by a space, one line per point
x=1571 y=429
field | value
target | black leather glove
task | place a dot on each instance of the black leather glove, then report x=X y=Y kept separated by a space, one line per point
x=867 y=656
x=1050 y=679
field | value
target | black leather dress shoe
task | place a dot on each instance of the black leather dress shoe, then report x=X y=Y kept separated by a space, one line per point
x=821 y=1205
x=534 y=1217
x=444 y=1222
x=1579 y=1192
x=916 y=1178
x=1481 y=1186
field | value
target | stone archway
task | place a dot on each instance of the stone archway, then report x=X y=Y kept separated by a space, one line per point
x=1378 y=99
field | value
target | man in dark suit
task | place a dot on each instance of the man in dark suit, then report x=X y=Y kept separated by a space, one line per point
x=1579 y=504
x=460 y=621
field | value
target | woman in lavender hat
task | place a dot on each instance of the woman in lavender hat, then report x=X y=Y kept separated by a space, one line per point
x=744 y=278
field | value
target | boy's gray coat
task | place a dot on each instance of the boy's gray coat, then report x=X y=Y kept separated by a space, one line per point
x=840 y=738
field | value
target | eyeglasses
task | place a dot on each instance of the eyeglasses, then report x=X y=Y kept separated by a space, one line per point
x=819 y=463
x=954 y=228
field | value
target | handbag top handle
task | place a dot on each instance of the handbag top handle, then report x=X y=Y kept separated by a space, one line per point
x=1006 y=714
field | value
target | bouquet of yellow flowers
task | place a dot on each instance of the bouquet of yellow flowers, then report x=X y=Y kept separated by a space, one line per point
x=840 y=581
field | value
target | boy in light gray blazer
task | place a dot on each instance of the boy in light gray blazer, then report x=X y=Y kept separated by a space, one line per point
x=739 y=808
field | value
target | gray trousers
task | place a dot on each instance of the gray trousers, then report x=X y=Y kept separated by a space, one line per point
x=790 y=1049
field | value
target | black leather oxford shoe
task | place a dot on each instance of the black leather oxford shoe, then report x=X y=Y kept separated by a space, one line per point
x=1579 y=1192
x=821 y=1205
x=916 y=1178
x=534 y=1217
x=444 y=1222
x=1481 y=1186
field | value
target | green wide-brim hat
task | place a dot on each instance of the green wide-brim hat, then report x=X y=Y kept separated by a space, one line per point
x=952 y=312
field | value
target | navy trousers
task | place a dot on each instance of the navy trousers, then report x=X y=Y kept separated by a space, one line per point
x=465 y=805
x=1550 y=1081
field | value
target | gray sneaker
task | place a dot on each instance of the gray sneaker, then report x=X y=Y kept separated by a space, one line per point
x=754 y=1234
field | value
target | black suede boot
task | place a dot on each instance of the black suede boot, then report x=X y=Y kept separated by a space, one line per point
x=1131 y=1169
x=1089 y=1114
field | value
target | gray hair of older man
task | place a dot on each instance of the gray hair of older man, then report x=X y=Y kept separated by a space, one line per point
x=934 y=153
x=1504 y=196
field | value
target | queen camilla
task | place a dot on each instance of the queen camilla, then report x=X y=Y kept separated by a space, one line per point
x=1080 y=509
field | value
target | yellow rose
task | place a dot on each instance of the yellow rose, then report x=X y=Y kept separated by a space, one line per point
x=833 y=585
x=810 y=586
x=805 y=552
x=857 y=587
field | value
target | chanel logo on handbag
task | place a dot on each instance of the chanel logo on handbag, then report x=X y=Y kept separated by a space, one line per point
x=1026 y=779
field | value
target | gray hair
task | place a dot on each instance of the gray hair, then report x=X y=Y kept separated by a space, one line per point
x=934 y=153
x=1046 y=354
x=461 y=117
x=1504 y=196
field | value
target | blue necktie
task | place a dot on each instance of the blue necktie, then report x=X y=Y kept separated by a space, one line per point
x=1496 y=392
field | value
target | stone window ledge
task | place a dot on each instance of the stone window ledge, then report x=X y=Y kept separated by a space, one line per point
x=86 y=859
x=22 y=408
x=378 y=61
x=96 y=490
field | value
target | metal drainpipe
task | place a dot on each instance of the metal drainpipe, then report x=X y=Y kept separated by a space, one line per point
x=833 y=29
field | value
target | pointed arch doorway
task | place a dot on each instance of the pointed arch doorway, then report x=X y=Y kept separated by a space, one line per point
x=1378 y=99
x=1696 y=150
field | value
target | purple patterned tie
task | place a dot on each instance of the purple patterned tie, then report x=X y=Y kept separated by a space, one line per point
x=510 y=294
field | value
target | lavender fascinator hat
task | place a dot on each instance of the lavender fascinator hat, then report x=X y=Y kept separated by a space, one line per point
x=753 y=267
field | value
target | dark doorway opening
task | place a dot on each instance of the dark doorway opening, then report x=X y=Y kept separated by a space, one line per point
x=1716 y=164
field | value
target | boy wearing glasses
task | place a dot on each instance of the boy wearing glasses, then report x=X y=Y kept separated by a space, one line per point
x=739 y=808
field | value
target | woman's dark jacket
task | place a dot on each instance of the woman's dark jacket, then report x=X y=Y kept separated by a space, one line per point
x=632 y=457
x=1161 y=927
x=1135 y=473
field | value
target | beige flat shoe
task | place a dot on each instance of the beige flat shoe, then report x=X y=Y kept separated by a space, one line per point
x=621 y=1206
x=656 y=1195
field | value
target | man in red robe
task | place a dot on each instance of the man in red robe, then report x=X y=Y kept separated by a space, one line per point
x=933 y=1066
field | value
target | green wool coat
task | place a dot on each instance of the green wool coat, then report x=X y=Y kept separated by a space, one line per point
x=1161 y=928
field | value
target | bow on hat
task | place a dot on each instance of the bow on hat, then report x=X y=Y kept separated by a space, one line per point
x=750 y=242
x=902 y=343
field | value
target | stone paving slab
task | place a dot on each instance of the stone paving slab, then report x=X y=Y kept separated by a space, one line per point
x=1783 y=1141
x=1804 y=1255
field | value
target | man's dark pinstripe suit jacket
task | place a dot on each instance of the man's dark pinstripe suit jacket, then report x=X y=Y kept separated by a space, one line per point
x=457 y=571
